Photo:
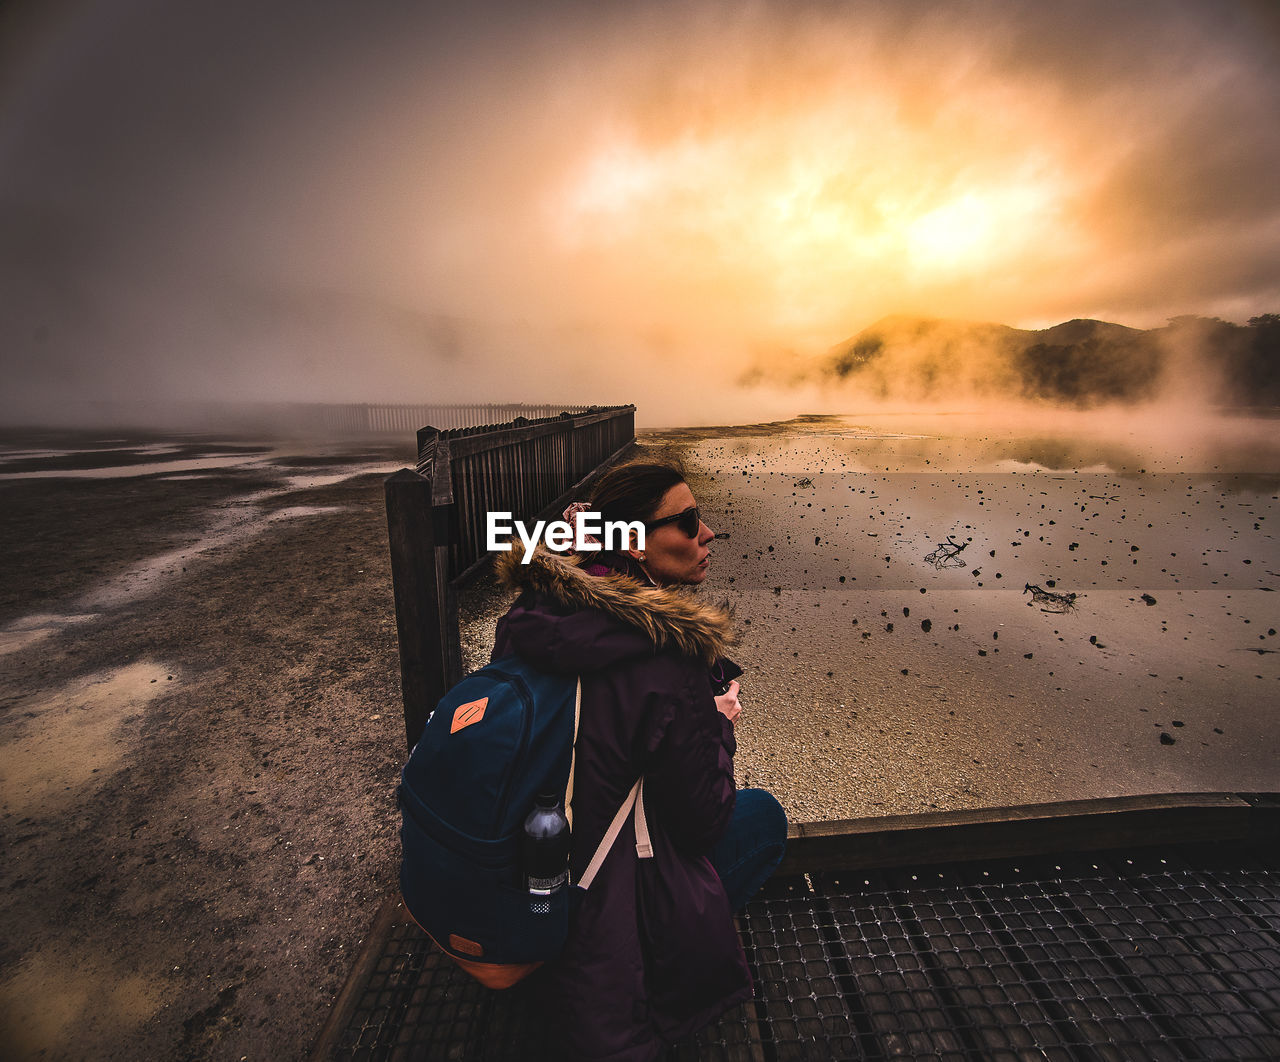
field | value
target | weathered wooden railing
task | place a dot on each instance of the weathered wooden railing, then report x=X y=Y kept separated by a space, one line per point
x=436 y=522
x=383 y=418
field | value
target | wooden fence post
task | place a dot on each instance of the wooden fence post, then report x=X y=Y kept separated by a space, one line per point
x=413 y=579
x=575 y=459
x=444 y=538
x=426 y=445
x=418 y=514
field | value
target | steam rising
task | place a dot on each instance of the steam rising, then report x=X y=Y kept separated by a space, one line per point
x=585 y=203
x=1081 y=363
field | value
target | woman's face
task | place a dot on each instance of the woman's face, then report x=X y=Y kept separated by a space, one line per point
x=669 y=555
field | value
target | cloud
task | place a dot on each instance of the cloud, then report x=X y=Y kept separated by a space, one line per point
x=592 y=194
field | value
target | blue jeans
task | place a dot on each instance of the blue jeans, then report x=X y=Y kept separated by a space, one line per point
x=751 y=847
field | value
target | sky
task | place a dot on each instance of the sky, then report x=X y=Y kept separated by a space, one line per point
x=325 y=201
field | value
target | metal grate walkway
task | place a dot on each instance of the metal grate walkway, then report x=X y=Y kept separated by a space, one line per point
x=1159 y=953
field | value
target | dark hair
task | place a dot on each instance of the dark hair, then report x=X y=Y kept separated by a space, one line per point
x=634 y=491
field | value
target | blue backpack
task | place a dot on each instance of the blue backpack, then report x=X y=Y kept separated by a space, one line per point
x=497 y=739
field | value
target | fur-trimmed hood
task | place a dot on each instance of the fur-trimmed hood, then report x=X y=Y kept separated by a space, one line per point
x=666 y=618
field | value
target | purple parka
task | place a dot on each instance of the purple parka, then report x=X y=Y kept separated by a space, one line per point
x=652 y=954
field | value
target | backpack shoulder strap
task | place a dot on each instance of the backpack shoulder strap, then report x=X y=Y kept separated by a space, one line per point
x=644 y=849
x=573 y=754
x=635 y=798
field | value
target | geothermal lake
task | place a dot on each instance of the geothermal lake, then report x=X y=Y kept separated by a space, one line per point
x=887 y=676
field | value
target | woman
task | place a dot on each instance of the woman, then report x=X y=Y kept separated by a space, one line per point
x=652 y=954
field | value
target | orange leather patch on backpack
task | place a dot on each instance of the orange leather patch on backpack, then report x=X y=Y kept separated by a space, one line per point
x=489 y=974
x=467 y=947
x=467 y=714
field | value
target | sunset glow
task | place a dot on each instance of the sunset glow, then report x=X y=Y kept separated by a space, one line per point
x=708 y=185
x=819 y=217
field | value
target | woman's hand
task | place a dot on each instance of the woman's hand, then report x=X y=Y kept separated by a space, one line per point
x=727 y=703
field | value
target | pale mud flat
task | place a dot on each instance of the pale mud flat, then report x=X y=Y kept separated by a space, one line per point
x=880 y=683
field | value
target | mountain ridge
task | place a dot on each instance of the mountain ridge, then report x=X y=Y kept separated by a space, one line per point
x=1081 y=361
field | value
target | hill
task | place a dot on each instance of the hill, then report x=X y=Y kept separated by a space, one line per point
x=1080 y=362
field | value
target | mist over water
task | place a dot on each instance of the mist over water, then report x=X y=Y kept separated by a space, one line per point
x=610 y=205
x=1125 y=441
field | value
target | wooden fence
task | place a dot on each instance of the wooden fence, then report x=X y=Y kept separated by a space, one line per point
x=436 y=520
x=391 y=418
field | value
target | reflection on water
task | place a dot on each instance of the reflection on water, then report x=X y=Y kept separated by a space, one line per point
x=242 y=518
x=1126 y=441
x=140 y=468
x=187 y=458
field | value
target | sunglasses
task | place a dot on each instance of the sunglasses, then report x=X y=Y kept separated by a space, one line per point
x=688 y=521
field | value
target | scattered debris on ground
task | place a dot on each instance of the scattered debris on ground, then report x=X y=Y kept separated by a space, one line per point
x=1051 y=600
x=947 y=554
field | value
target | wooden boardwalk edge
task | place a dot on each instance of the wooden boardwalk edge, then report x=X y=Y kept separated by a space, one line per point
x=880 y=842
x=1030 y=829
